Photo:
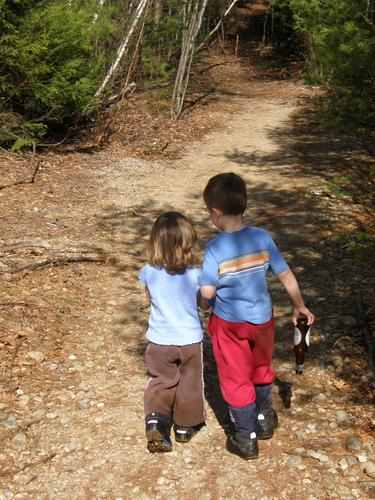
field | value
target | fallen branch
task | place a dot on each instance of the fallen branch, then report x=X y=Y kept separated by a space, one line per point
x=52 y=262
x=13 y=304
x=28 y=466
x=350 y=340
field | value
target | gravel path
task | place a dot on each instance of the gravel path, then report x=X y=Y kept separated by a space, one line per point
x=73 y=377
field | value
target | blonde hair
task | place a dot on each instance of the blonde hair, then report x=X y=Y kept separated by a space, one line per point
x=171 y=243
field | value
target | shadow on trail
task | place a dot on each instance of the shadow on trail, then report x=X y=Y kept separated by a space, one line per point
x=300 y=229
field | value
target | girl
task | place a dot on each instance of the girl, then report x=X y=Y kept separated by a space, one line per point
x=174 y=392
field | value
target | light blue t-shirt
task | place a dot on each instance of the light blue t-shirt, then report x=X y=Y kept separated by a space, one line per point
x=237 y=264
x=174 y=317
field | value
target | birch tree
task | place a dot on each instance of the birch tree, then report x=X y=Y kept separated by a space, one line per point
x=217 y=25
x=96 y=15
x=139 y=11
x=192 y=15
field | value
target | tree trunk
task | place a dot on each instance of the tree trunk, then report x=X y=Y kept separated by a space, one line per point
x=124 y=44
x=192 y=21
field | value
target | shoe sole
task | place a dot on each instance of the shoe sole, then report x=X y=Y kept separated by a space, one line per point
x=235 y=451
x=263 y=437
x=156 y=442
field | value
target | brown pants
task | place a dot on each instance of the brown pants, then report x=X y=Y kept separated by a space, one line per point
x=175 y=384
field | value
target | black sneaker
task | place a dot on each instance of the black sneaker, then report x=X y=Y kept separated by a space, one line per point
x=243 y=446
x=266 y=424
x=158 y=429
x=184 y=434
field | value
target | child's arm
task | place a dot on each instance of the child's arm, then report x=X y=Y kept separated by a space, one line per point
x=202 y=302
x=208 y=292
x=290 y=284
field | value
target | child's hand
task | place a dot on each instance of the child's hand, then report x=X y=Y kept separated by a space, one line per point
x=303 y=311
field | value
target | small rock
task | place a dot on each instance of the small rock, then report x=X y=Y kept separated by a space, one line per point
x=324 y=459
x=52 y=415
x=294 y=461
x=338 y=361
x=72 y=357
x=341 y=416
x=100 y=405
x=300 y=434
x=362 y=459
x=19 y=392
x=329 y=482
x=9 y=423
x=70 y=447
x=24 y=400
x=161 y=480
x=97 y=463
x=131 y=432
x=343 y=464
x=84 y=403
x=313 y=454
x=370 y=469
x=354 y=443
x=342 y=490
x=19 y=441
x=52 y=367
x=36 y=356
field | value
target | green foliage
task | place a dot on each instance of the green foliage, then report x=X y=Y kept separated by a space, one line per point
x=161 y=43
x=340 y=37
x=359 y=244
x=52 y=59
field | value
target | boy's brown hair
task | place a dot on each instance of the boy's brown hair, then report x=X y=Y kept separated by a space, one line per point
x=171 y=243
x=227 y=192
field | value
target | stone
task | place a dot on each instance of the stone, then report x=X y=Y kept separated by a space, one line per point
x=24 y=400
x=36 y=356
x=72 y=357
x=84 y=403
x=370 y=469
x=313 y=454
x=324 y=459
x=9 y=423
x=342 y=490
x=52 y=415
x=19 y=441
x=343 y=464
x=362 y=458
x=294 y=461
x=354 y=443
x=338 y=361
x=341 y=417
x=52 y=367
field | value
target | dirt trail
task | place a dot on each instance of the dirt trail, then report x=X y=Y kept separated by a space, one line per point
x=72 y=417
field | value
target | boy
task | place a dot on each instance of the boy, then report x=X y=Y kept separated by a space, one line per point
x=241 y=326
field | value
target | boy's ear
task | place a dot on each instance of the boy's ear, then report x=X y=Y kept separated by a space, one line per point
x=216 y=212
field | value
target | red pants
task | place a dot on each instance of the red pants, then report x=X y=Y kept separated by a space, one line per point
x=243 y=354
